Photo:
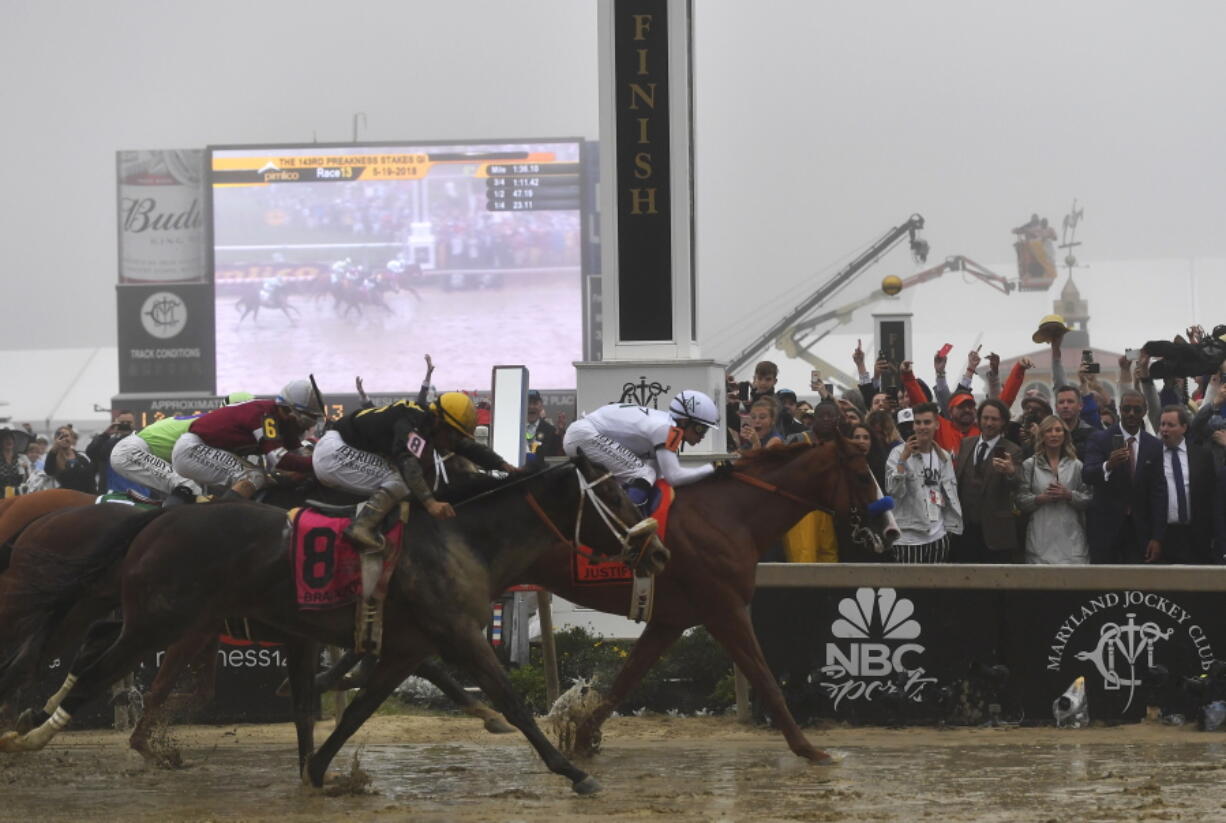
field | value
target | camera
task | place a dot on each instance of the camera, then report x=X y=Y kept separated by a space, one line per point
x=1087 y=357
x=123 y=426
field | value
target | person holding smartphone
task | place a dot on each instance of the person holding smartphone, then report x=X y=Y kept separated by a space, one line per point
x=99 y=451
x=920 y=476
x=67 y=466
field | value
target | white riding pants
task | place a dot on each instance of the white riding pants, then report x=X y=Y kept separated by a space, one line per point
x=211 y=466
x=607 y=452
x=132 y=460
x=341 y=466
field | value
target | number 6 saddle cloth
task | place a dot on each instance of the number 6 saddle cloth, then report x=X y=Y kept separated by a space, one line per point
x=327 y=568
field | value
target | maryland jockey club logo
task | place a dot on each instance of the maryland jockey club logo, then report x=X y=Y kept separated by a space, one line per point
x=643 y=393
x=1123 y=645
x=875 y=642
x=1134 y=630
x=163 y=314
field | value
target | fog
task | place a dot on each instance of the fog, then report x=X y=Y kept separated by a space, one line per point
x=819 y=125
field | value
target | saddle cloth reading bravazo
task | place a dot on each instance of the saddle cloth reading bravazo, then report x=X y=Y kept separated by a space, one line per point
x=586 y=572
x=327 y=568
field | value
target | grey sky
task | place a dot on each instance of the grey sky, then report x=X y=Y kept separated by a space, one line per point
x=819 y=126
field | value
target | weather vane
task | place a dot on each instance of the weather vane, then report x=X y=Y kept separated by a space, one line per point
x=1068 y=239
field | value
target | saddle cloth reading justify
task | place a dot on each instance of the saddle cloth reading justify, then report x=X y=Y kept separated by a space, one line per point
x=327 y=568
x=588 y=573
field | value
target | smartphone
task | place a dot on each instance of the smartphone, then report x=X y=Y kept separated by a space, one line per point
x=906 y=428
x=1117 y=442
x=1132 y=354
x=815 y=377
x=1000 y=451
x=945 y=350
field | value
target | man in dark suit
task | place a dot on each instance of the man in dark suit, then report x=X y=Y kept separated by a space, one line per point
x=1127 y=515
x=543 y=438
x=987 y=470
x=1190 y=478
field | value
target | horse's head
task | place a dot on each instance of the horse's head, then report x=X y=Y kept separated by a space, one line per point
x=870 y=512
x=610 y=524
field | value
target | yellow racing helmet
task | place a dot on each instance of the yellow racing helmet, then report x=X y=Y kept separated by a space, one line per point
x=456 y=409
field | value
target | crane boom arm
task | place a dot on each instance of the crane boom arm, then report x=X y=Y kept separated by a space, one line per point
x=866 y=258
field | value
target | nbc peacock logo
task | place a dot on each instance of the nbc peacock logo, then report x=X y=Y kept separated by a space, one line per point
x=874 y=640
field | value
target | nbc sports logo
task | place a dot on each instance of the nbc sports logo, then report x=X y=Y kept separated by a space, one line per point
x=878 y=623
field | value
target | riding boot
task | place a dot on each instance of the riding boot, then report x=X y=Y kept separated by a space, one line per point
x=178 y=496
x=639 y=492
x=242 y=489
x=363 y=531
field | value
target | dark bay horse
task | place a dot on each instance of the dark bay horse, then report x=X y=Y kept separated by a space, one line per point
x=189 y=567
x=718 y=529
x=48 y=533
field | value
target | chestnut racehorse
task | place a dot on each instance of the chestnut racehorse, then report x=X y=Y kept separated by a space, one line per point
x=717 y=531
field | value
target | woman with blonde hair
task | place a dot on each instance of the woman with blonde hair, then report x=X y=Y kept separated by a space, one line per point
x=1055 y=496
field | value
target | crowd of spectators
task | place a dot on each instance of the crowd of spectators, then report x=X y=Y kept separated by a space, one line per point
x=1138 y=478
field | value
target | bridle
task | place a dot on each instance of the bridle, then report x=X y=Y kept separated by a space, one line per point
x=861 y=534
x=624 y=534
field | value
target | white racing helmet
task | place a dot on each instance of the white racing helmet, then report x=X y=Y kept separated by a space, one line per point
x=696 y=406
x=299 y=395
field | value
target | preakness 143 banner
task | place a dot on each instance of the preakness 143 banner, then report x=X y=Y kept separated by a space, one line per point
x=165 y=295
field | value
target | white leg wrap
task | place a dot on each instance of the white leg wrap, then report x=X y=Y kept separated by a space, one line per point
x=41 y=736
x=53 y=702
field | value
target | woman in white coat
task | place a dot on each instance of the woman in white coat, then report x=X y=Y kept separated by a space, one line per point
x=1055 y=496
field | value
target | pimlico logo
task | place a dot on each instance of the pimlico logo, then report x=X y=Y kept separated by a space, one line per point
x=163 y=314
x=1135 y=627
x=875 y=639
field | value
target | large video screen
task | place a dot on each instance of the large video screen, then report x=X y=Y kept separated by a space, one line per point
x=358 y=260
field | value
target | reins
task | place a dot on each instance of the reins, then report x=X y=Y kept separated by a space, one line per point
x=620 y=531
x=810 y=505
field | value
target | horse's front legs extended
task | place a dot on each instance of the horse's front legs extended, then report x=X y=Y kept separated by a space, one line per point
x=468 y=648
x=734 y=632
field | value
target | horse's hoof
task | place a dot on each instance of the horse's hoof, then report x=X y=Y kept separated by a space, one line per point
x=587 y=785
x=820 y=757
x=9 y=742
x=497 y=725
x=313 y=776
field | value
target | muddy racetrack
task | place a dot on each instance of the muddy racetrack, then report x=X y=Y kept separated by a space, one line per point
x=443 y=768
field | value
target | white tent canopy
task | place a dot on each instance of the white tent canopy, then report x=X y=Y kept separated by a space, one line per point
x=50 y=387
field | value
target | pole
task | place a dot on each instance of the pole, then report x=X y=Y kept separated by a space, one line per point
x=549 y=651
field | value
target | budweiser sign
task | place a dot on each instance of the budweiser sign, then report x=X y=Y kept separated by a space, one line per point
x=161 y=225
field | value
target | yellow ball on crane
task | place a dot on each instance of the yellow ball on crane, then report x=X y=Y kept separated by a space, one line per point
x=891 y=284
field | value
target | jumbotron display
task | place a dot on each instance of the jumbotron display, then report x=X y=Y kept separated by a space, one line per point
x=359 y=259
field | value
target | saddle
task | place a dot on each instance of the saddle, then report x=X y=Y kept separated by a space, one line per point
x=327 y=568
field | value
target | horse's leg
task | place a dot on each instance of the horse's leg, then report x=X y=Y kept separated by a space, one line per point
x=388 y=674
x=734 y=631
x=495 y=723
x=157 y=707
x=468 y=648
x=302 y=657
x=653 y=642
x=98 y=638
x=94 y=673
